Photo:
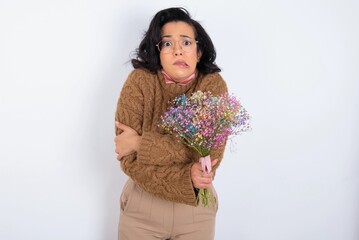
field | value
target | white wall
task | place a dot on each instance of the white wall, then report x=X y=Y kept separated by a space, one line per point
x=294 y=64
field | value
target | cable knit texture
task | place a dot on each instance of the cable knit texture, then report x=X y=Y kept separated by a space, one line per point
x=162 y=165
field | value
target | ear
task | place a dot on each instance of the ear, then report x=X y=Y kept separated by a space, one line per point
x=199 y=55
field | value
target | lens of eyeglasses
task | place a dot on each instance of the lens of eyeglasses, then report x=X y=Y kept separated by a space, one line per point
x=168 y=46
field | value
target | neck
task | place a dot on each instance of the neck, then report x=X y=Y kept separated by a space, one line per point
x=184 y=82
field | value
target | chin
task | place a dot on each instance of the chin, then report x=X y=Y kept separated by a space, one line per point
x=180 y=78
x=182 y=74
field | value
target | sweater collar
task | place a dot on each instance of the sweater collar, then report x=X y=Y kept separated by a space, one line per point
x=174 y=90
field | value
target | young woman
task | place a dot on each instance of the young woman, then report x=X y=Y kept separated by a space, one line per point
x=175 y=57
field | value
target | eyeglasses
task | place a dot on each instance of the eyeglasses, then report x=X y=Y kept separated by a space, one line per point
x=168 y=46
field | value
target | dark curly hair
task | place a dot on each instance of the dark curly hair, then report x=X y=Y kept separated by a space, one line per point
x=147 y=54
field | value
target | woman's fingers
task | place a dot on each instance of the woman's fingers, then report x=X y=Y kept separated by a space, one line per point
x=203 y=182
x=127 y=142
x=214 y=162
x=119 y=157
x=122 y=126
x=200 y=179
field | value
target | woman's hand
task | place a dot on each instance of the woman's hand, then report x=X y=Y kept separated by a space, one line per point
x=127 y=142
x=201 y=179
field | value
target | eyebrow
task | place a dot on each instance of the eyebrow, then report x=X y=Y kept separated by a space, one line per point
x=169 y=36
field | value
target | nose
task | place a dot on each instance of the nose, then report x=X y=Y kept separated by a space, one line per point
x=177 y=49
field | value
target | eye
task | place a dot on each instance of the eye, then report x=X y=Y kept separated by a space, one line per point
x=186 y=43
x=166 y=44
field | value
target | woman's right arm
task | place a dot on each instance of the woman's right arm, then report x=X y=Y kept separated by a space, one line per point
x=166 y=178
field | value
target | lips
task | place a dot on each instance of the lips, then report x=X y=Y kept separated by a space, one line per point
x=180 y=63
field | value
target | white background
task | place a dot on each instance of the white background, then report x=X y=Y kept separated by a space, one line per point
x=294 y=65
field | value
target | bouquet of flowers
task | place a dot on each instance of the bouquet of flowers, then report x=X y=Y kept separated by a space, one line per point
x=204 y=122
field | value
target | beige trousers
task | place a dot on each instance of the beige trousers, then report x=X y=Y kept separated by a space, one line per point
x=146 y=217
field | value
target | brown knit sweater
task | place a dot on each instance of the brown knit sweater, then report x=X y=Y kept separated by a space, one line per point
x=162 y=164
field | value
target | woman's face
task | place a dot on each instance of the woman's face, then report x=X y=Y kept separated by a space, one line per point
x=179 y=61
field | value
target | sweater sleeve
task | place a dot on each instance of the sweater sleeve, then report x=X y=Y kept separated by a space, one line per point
x=153 y=170
x=170 y=182
x=213 y=83
x=130 y=105
x=160 y=149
